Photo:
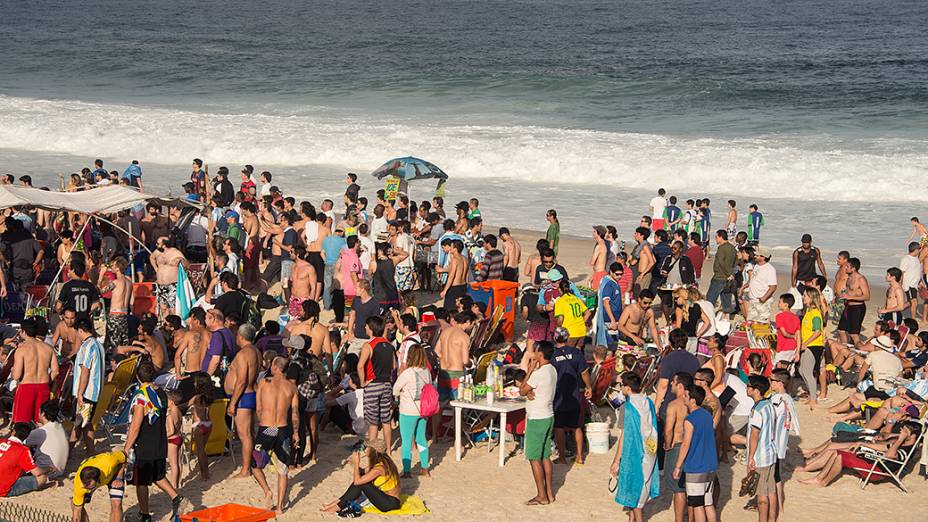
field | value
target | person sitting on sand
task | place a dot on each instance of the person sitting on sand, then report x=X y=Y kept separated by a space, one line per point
x=861 y=455
x=380 y=484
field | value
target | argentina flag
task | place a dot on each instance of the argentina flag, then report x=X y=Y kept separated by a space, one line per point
x=185 y=296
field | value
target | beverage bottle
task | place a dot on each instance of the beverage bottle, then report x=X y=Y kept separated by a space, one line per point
x=130 y=467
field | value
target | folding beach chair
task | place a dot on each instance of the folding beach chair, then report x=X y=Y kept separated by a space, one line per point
x=481 y=366
x=429 y=333
x=124 y=374
x=603 y=378
x=219 y=442
x=882 y=466
x=115 y=423
x=104 y=402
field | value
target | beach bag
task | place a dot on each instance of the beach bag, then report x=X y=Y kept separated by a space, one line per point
x=428 y=400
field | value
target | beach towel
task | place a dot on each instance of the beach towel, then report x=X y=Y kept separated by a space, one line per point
x=185 y=296
x=638 y=474
x=607 y=288
x=409 y=505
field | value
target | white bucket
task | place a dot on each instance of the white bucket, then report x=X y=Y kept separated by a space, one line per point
x=597 y=435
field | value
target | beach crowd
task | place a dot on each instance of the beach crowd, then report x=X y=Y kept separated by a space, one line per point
x=240 y=318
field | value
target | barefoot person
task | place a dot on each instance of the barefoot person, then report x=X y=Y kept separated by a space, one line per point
x=539 y=388
x=303 y=281
x=65 y=338
x=165 y=260
x=34 y=367
x=512 y=255
x=277 y=399
x=636 y=317
x=697 y=458
x=896 y=301
x=239 y=385
x=87 y=383
x=635 y=463
x=456 y=271
x=674 y=421
x=375 y=367
x=855 y=291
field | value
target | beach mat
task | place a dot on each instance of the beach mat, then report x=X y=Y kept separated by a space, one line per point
x=409 y=505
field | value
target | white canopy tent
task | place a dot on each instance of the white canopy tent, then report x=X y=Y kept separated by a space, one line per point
x=110 y=198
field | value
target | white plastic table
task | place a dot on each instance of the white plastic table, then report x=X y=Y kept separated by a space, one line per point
x=498 y=406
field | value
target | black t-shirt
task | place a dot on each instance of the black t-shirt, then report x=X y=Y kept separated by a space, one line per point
x=231 y=304
x=290 y=240
x=530 y=301
x=79 y=295
x=152 y=443
x=362 y=311
x=352 y=192
x=675 y=362
x=541 y=271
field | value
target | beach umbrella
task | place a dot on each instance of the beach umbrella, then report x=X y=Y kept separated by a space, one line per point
x=410 y=169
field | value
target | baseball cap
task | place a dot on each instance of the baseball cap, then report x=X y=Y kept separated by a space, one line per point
x=806 y=238
x=554 y=275
x=232 y=214
x=764 y=251
x=294 y=341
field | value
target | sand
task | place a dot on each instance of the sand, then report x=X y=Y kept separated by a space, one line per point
x=477 y=489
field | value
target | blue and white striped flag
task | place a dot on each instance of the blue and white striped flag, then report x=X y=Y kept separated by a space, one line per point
x=185 y=296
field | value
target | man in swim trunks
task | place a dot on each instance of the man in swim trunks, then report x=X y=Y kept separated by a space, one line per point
x=117 y=320
x=239 y=386
x=512 y=255
x=598 y=261
x=855 y=291
x=453 y=350
x=65 y=334
x=276 y=397
x=34 y=367
x=455 y=286
x=302 y=282
x=252 y=254
x=896 y=301
x=635 y=317
x=166 y=260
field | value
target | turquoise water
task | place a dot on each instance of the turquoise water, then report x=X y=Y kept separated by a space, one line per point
x=817 y=111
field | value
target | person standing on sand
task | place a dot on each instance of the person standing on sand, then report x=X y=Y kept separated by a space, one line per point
x=553 y=235
x=456 y=271
x=697 y=458
x=762 y=286
x=276 y=397
x=755 y=222
x=512 y=255
x=239 y=385
x=723 y=273
x=117 y=319
x=539 y=388
x=674 y=417
x=656 y=207
x=635 y=463
x=806 y=259
x=911 y=277
x=642 y=260
x=165 y=260
x=895 y=298
x=731 y=225
x=598 y=260
x=762 y=447
x=34 y=367
x=855 y=290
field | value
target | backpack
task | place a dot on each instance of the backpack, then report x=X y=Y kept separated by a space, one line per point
x=428 y=400
x=250 y=314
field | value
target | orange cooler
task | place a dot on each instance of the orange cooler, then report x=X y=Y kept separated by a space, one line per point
x=500 y=293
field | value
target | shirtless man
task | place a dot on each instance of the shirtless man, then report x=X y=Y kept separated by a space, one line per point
x=188 y=361
x=453 y=350
x=314 y=250
x=165 y=261
x=117 y=320
x=154 y=225
x=145 y=344
x=34 y=367
x=635 y=317
x=65 y=247
x=532 y=262
x=856 y=292
x=66 y=334
x=239 y=385
x=896 y=301
x=598 y=260
x=674 y=417
x=251 y=256
x=731 y=224
x=455 y=286
x=310 y=326
x=276 y=398
x=303 y=282
x=512 y=255
x=642 y=260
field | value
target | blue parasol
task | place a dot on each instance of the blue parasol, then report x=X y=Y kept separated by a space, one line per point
x=410 y=169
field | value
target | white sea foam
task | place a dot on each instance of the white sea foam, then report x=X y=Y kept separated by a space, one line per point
x=800 y=168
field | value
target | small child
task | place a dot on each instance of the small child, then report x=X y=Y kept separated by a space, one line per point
x=473 y=210
x=787 y=324
x=787 y=423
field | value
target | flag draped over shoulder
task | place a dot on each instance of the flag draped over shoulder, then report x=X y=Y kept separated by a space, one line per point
x=185 y=295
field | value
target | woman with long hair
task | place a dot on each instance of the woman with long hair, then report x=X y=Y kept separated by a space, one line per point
x=379 y=484
x=812 y=346
x=687 y=314
x=408 y=387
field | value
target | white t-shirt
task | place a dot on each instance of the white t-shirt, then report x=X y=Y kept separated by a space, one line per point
x=762 y=278
x=51 y=443
x=544 y=382
x=331 y=215
x=354 y=400
x=884 y=366
x=741 y=402
x=911 y=271
x=265 y=189
x=367 y=251
x=658 y=204
x=406 y=243
x=311 y=231
x=379 y=229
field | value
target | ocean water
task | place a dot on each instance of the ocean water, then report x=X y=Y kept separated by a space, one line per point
x=817 y=112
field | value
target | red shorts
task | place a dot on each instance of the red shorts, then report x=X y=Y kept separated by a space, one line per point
x=27 y=400
x=657 y=224
x=861 y=466
x=252 y=255
x=597 y=278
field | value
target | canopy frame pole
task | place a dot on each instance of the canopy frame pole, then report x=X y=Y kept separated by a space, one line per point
x=61 y=267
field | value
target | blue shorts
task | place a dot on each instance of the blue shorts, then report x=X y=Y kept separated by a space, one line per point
x=139 y=260
x=248 y=401
x=24 y=484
